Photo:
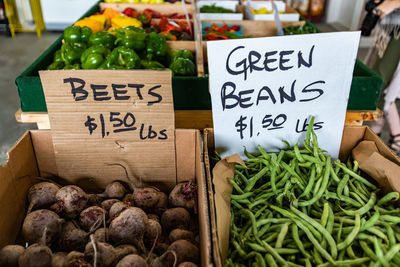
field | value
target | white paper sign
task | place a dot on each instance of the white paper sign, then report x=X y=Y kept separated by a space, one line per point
x=265 y=90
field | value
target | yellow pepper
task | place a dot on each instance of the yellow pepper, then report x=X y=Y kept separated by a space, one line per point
x=94 y=25
x=121 y=21
x=104 y=20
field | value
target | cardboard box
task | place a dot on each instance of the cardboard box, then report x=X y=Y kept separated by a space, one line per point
x=351 y=137
x=33 y=156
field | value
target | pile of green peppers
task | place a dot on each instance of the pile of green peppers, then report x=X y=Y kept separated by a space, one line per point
x=130 y=48
x=297 y=208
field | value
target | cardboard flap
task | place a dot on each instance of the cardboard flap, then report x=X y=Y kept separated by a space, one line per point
x=224 y=169
x=17 y=175
x=103 y=122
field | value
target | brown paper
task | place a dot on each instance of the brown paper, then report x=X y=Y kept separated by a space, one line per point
x=123 y=104
x=224 y=169
x=384 y=171
x=363 y=151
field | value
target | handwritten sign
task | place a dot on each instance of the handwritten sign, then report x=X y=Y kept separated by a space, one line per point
x=100 y=119
x=265 y=90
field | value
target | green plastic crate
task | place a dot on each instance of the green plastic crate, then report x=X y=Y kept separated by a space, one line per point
x=190 y=93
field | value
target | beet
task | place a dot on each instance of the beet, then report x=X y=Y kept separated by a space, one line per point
x=129 y=227
x=175 y=218
x=122 y=251
x=160 y=248
x=185 y=251
x=94 y=200
x=59 y=259
x=36 y=255
x=187 y=264
x=42 y=195
x=146 y=198
x=132 y=261
x=76 y=259
x=106 y=204
x=71 y=200
x=35 y=224
x=162 y=204
x=116 y=209
x=128 y=199
x=101 y=235
x=153 y=217
x=105 y=253
x=184 y=195
x=114 y=190
x=177 y=234
x=92 y=218
x=9 y=255
x=168 y=259
x=152 y=233
x=72 y=237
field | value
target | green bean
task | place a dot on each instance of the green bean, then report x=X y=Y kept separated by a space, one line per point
x=320 y=228
x=255 y=178
x=365 y=209
x=235 y=185
x=294 y=217
x=355 y=165
x=242 y=196
x=378 y=233
x=390 y=235
x=242 y=177
x=392 y=252
x=387 y=212
x=323 y=186
x=392 y=196
x=291 y=171
x=317 y=257
x=241 y=252
x=273 y=252
x=259 y=258
x=345 y=262
x=371 y=221
x=368 y=250
x=298 y=154
x=356 y=176
x=358 y=198
x=310 y=184
x=263 y=153
x=325 y=214
x=350 y=252
x=296 y=238
x=317 y=186
x=250 y=156
x=339 y=233
x=379 y=252
x=236 y=204
x=391 y=219
x=270 y=260
x=346 y=191
x=315 y=242
x=334 y=176
x=349 y=239
x=282 y=235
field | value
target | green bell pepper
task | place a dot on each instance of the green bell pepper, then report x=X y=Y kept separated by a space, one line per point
x=183 y=67
x=122 y=58
x=72 y=67
x=103 y=38
x=94 y=57
x=71 y=52
x=57 y=56
x=151 y=65
x=131 y=37
x=173 y=54
x=156 y=46
x=56 y=65
x=76 y=34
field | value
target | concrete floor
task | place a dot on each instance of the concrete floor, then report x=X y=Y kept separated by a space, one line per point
x=15 y=55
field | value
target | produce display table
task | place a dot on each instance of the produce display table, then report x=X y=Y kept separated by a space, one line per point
x=196 y=119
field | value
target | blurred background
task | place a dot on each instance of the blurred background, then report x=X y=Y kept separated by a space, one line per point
x=28 y=27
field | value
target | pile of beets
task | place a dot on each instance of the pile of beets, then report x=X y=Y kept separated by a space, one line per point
x=65 y=226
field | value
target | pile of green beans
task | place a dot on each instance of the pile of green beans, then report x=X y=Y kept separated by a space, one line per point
x=297 y=208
